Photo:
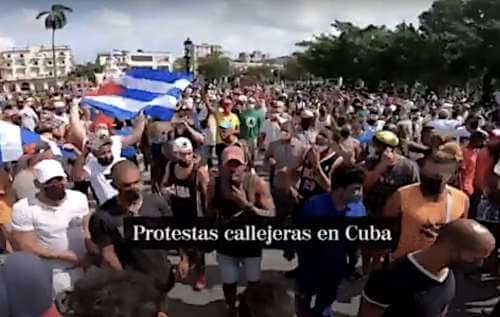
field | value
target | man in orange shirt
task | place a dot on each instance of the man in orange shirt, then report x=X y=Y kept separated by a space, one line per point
x=426 y=206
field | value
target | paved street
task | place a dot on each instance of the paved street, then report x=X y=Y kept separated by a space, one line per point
x=473 y=296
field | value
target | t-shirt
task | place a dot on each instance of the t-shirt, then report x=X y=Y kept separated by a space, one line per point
x=56 y=227
x=404 y=172
x=272 y=132
x=106 y=228
x=315 y=263
x=100 y=179
x=251 y=120
x=406 y=288
x=289 y=154
x=418 y=212
x=468 y=169
x=484 y=164
x=29 y=118
x=221 y=117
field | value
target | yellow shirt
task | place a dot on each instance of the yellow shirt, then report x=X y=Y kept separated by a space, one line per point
x=5 y=213
x=220 y=117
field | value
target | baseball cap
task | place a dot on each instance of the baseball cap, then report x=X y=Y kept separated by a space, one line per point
x=449 y=151
x=182 y=145
x=48 y=169
x=26 y=287
x=307 y=114
x=388 y=138
x=233 y=152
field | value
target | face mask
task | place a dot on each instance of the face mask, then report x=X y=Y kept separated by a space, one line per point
x=371 y=122
x=55 y=192
x=345 y=133
x=430 y=186
x=322 y=112
x=184 y=163
x=105 y=161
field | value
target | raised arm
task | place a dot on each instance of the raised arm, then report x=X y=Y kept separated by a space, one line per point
x=136 y=134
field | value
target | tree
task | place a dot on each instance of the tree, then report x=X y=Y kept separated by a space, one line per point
x=87 y=71
x=214 y=66
x=55 y=20
x=179 y=65
x=293 y=70
x=261 y=72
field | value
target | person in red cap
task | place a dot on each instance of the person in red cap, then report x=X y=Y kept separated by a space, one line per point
x=239 y=197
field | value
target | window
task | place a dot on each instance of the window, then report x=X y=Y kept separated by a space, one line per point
x=21 y=55
x=49 y=62
x=138 y=58
x=35 y=63
x=50 y=73
x=8 y=65
x=62 y=62
x=8 y=55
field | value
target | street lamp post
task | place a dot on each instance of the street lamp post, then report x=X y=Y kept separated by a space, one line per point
x=188 y=51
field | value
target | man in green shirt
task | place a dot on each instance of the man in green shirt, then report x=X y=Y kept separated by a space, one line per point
x=250 y=120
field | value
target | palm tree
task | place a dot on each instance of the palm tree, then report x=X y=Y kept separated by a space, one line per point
x=55 y=20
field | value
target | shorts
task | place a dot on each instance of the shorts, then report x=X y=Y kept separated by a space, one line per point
x=230 y=268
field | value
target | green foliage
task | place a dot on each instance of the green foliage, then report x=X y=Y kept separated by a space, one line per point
x=294 y=70
x=179 y=65
x=457 y=41
x=87 y=71
x=214 y=66
x=55 y=19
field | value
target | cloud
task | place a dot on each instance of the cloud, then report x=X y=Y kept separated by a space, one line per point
x=238 y=25
x=6 y=43
x=113 y=18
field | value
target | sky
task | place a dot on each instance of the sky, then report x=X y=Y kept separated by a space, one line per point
x=271 y=26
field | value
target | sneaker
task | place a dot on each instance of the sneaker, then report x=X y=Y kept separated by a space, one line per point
x=201 y=283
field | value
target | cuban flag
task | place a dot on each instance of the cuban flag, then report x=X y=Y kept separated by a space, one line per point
x=154 y=92
x=13 y=138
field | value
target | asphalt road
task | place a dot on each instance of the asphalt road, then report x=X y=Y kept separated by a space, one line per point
x=474 y=294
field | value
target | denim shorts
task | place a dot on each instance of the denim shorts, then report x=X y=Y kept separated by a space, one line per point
x=230 y=268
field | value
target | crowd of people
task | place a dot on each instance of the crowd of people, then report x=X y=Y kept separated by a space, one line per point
x=243 y=155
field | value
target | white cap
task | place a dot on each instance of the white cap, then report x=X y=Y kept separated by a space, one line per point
x=48 y=169
x=242 y=98
x=182 y=145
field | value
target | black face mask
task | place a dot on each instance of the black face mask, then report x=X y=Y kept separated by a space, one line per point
x=105 y=161
x=430 y=186
x=345 y=133
x=322 y=112
x=55 y=192
x=184 y=163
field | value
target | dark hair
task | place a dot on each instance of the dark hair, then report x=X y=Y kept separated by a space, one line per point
x=265 y=300
x=346 y=175
x=111 y=294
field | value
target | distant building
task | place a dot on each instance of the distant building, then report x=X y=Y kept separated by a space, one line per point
x=30 y=68
x=204 y=49
x=258 y=59
x=121 y=60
